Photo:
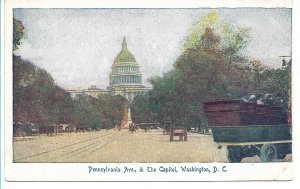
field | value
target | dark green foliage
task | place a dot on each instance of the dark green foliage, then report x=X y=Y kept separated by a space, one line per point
x=36 y=98
x=202 y=72
x=86 y=112
x=112 y=109
x=103 y=112
x=276 y=82
x=211 y=67
x=18 y=33
x=140 y=110
x=208 y=71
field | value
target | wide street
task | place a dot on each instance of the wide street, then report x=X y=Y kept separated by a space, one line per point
x=115 y=146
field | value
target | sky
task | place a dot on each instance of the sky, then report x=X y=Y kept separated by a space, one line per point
x=78 y=46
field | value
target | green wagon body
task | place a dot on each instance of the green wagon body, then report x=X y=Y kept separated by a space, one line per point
x=248 y=129
x=251 y=133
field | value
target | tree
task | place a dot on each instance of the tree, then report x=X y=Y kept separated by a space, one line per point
x=231 y=39
x=36 y=98
x=141 y=110
x=18 y=33
x=276 y=82
x=112 y=109
x=86 y=112
x=163 y=98
x=211 y=66
x=104 y=112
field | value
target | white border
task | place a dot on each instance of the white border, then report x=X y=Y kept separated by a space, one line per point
x=78 y=172
x=146 y=3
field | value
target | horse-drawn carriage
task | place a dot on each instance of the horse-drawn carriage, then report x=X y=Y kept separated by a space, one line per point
x=147 y=126
x=25 y=129
x=49 y=129
x=132 y=127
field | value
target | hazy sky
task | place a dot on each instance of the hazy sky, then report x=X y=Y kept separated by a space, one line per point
x=78 y=46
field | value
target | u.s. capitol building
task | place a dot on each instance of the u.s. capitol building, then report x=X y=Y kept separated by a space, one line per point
x=125 y=78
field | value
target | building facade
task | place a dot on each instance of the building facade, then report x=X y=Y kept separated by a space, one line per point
x=91 y=91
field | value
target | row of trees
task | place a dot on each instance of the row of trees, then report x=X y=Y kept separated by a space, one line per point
x=37 y=99
x=105 y=111
x=211 y=66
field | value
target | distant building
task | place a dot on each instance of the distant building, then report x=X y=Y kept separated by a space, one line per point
x=95 y=92
x=92 y=91
x=125 y=78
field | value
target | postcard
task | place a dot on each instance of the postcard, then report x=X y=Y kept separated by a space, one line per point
x=102 y=92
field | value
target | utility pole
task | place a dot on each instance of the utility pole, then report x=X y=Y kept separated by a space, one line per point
x=285 y=65
x=284 y=62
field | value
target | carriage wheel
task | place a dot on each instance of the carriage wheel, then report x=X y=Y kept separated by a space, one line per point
x=234 y=154
x=268 y=153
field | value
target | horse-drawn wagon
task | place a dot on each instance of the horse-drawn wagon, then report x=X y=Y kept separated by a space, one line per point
x=249 y=129
x=180 y=132
x=172 y=131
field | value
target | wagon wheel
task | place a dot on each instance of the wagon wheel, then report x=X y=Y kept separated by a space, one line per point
x=234 y=154
x=281 y=156
x=281 y=151
x=268 y=152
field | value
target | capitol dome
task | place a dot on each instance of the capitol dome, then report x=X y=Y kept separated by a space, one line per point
x=125 y=69
x=124 y=55
x=125 y=78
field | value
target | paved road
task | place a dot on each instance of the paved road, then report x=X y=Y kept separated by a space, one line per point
x=120 y=146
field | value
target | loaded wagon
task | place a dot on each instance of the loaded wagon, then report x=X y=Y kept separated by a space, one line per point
x=175 y=131
x=180 y=132
x=248 y=129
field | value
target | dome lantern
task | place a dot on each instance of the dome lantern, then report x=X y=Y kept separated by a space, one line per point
x=124 y=43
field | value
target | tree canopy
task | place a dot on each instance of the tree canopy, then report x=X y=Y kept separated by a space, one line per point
x=141 y=110
x=18 y=33
x=211 y=66
x=37 y=99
